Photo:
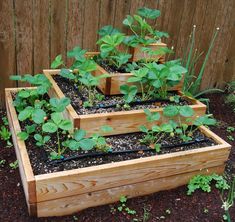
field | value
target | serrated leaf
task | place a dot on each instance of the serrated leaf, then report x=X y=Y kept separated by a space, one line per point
x=38 y=116
x=86 y=144
x=23 y=136
x=170 y=111
x=57 y=118
x=79 y=134
x=65 y=125
x=186 y=111
x=49 y=127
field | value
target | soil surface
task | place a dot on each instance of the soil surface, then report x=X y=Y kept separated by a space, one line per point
x=41 y=164
x=77 y=99
x=173 y=205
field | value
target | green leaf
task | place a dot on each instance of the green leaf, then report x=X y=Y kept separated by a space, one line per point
x=86 y=144
x=186 y=111
x=204 y=120
x=57 y=62
x=49 y=127
x=167 y=128
x=25 y=114
x=30 y=128
x=37 y=137
x=23 y=136
x=46 y=139
x=108 y=30
x=170 y=111
x=157 y=147
x=143 y=129
x=24 y=93
x=149 y=13
x=57 y=118
x=59 y=105
x=79 y=134
x=128 y=21
x=38 y=116
x=16 y=77
x=66 y=125
x=72 y=144
x=66 y=73
x=134 y=79
x=156 y=128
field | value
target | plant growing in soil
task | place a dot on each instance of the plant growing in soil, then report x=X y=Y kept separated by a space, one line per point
x=109 y=50
x=143 y=32
x=2 y=163
x=129 y=93
x=14 y=165
x=228 y=200
x=156 y=133
x=80 y=74
x=100 y=141
x=155 y=79
x=203 y=182
x=5 y=134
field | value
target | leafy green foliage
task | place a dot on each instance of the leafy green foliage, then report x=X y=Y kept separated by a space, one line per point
x=57 y=62
x=109 y=50
x=5 y=134
x=122 y=206
x=14 y=165
x=192 y=80
x=203 y=182
x=129 y=93
x=108 y=30
x=148 y=13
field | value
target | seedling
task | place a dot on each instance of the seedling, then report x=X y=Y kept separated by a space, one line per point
x=14 y=165
x=203 y=182
x=230 y=129
x=2 y=163
x=231 y=138
x=5 y=134
x=129 y=93
x=123 y=207
x=5 y=121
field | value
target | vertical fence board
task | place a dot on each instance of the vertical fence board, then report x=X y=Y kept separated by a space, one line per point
x=41 y=30
x=33 y=32
x=75 y=23
x=7 y=46
x=24 y=36
x=91 y=24
x=58 y=25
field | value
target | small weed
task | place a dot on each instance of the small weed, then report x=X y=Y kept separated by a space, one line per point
x=205 y=210
x=230 y=129
x=231 y=138
x=123 y=207
x=75 y=218
x=5 y=121
x=14 y=165
x=2 y=163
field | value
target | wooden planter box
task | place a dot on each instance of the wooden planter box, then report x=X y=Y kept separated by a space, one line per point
x=111 y=85
x=66 y=192
x=137 y=54
x=121 y=122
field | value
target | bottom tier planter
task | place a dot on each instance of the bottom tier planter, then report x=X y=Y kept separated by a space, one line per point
x=66 y=192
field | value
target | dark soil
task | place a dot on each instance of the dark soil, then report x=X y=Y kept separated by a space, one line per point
x=173 y=205
x=41 y=165
x=77 y=99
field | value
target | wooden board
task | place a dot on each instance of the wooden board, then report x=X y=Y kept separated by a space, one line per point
x=66 y=192
x=121 y=121
x=138 y=54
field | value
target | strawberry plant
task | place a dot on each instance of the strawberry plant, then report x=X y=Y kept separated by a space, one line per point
x=109 y=50
x=129 y=93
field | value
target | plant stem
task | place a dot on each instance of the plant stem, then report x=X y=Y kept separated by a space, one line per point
x=58 y=142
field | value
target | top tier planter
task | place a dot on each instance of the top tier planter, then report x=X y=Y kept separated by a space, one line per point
x=121 y=121
x=137 y=54
x=111 y=85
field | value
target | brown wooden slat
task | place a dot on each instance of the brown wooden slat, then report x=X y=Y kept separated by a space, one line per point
x=58 y=25
x=7 y=47
x=91 y=24
x=41 y=32
x=24 y=36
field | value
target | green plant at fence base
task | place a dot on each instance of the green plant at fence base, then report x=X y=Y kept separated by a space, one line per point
x=228 y=200
x=192 y=80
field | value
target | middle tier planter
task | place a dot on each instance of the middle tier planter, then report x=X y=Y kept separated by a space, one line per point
x=111 y=84
x=121 y=121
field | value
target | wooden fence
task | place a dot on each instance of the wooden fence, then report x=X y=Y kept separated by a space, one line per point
x=33 y=32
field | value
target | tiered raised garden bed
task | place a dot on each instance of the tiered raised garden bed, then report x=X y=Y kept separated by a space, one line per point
x=66 y=192
x=121 y=121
